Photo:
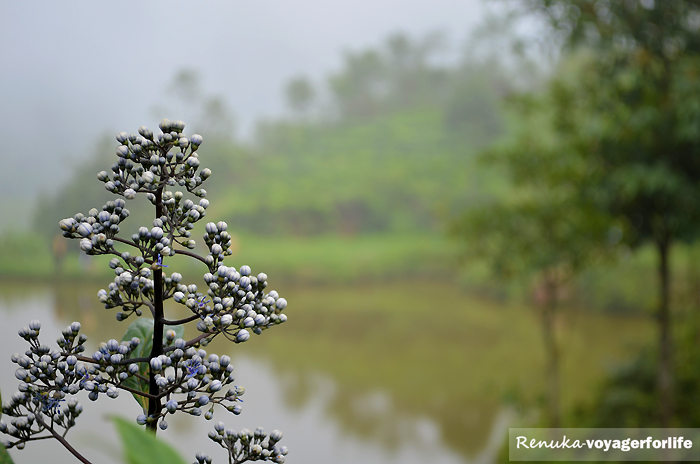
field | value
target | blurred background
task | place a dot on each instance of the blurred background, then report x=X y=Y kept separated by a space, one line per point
x=483 y=214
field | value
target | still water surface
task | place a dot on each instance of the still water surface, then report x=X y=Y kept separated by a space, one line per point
x=390 y=389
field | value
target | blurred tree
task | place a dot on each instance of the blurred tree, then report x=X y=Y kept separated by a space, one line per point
x=640 y=93
x=540 y=237
x=359 y=87
x=414 y=77
x=404 y=73
x=542 y=228
x=216 y=117
x=300 y=94
x=186 y=85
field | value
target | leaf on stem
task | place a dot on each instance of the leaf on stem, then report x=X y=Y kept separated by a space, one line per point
x=142 y=328
x=5 y=456
x=141 y=447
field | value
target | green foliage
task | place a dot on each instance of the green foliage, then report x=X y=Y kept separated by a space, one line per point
x=667 y=28
x=625 y=116
x=398 y=75
x=612 y=134
x=142 y=447
x=541 y=222
x=142 y=328
x=325 y=258
x=397 y=173
x=648 y=173
x=392 y=154
x=24 y=255
x=629 y=113
x=630 y=396
x=390 y=174
x=533 y=236
x=5 y=456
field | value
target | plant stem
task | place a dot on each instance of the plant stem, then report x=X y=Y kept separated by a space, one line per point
x=154 y=404
x=194 y=317
x=191 y=255
x=137 y=392
x=63 y=441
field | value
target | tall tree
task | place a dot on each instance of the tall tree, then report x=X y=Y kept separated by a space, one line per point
x=543 y=228
x=299 y=93
x=641 y=133
x=548 y=238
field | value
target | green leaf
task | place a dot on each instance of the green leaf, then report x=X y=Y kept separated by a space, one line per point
x=142 y=447
x=142 y=328
x=5 y=456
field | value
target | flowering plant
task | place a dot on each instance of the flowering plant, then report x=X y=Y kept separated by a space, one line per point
x=165 y=373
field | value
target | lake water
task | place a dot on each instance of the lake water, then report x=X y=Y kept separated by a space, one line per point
x=381 y=374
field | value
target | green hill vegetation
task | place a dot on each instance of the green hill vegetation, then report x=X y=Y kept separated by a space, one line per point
x=364 y=183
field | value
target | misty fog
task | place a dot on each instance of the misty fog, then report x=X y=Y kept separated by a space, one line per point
x=73 y=72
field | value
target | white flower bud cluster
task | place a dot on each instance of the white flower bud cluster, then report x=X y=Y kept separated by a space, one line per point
x=246 y=445
x=183 y=214
x=153 y=242
x=110 y=368
x=218 y=240
x=97 y=229
x=128 y=290
x=147 y=161
x=133 y=284
x=133 y=287
x=46 y=378
x=183 y=378
x=25 y=407
x=236 y=305
x=201 y=379
x=102 y=373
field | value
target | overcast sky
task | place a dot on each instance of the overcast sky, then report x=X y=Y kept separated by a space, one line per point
x=71 y=71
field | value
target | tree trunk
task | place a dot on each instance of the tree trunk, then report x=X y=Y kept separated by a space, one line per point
x=665 y=368
x=552 y=353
